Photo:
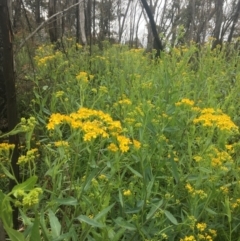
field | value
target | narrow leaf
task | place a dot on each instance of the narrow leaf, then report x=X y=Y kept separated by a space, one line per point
x=124 y=224
x=171 y=217
x=134 y=172
x=120 y=197
x=153 y=209
x=35 y=234
x=174 y=170
x=104 y=212
x=90 y=221
x=27 y=185
x=71 y=201
x=209 y=210
x=7 y=173
x=54 y=224
x=14 y=235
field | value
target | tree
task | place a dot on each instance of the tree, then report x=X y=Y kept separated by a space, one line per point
x=54 y=25
x=157 y=44
x=8 y=85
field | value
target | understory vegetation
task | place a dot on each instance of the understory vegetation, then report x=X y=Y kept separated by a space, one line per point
x=121 y=146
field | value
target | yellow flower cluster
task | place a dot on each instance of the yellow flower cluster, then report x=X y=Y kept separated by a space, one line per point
x=186 y=102
x=235 y=204
x=28 y=199
x=219 y=157
x=94 y=124
x=203 y=233
x=59 y=93
x=188 y=238
x=201 y=226
x=103 y=177
x=194 y=192
x=125 y=102
x=43 y=61
x=61 y=144
x=5 y=149
x=209 y=117
x=127 y=193
x=82 y=76
x=29 y=157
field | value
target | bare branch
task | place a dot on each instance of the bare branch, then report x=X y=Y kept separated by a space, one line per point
x=44 y=23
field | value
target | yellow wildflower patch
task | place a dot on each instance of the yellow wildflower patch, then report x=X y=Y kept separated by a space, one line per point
x=94 y=124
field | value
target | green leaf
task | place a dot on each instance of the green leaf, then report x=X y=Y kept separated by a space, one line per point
x=171 y=217
x=119 y=234
x=54 y=224
x=209 y=210
x=27 y=185
x=203 y=169
x=174 y=170
x=71 y=201
x=124 y=224
x=35 y=234
x=120 y=197
x=7 y=173
x=5 y=209
x=104 y=212
x=134 y=172
x=63 y=237
x=45 y=231
x=154 y=208
x=90 y=221
x=13 y=234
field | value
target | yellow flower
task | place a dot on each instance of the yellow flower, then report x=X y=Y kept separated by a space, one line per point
x=30 y=156
x=224 y=189
x=59 y=93
x=103 y=89
x=112 y=147
x=185 y=102
x=32 y=198
x=189 y=188
x=103 y=177
x=127 y=193
x=136 y=144
x=201 y=226
x=188 y=238
x=197 y=158
x=124 y=143
x=209 y=117
x=61 y=143
x=82 y=76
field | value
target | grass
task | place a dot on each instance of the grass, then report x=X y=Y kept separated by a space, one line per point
x=119 y=146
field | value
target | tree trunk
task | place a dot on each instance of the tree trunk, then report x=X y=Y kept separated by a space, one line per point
x=81 y=7
x=157 y=42
x=37 y=12
x=2 y=232
x=7 y=72
x=54 y=32
x=218 y=23
x=17 y=14
x=235 y=19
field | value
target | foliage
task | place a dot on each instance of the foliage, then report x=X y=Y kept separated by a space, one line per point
x=128 y=148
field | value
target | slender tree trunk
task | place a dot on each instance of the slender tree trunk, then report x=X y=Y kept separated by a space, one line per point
x=17 y=14
x=6 y=67
x=157 y=42
x=2 y=232
x=218 y=23
x=77 y=24
x=37 y=11
x=235 y=19
x=81 y=12
x=121 y=25
x=53 y=25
